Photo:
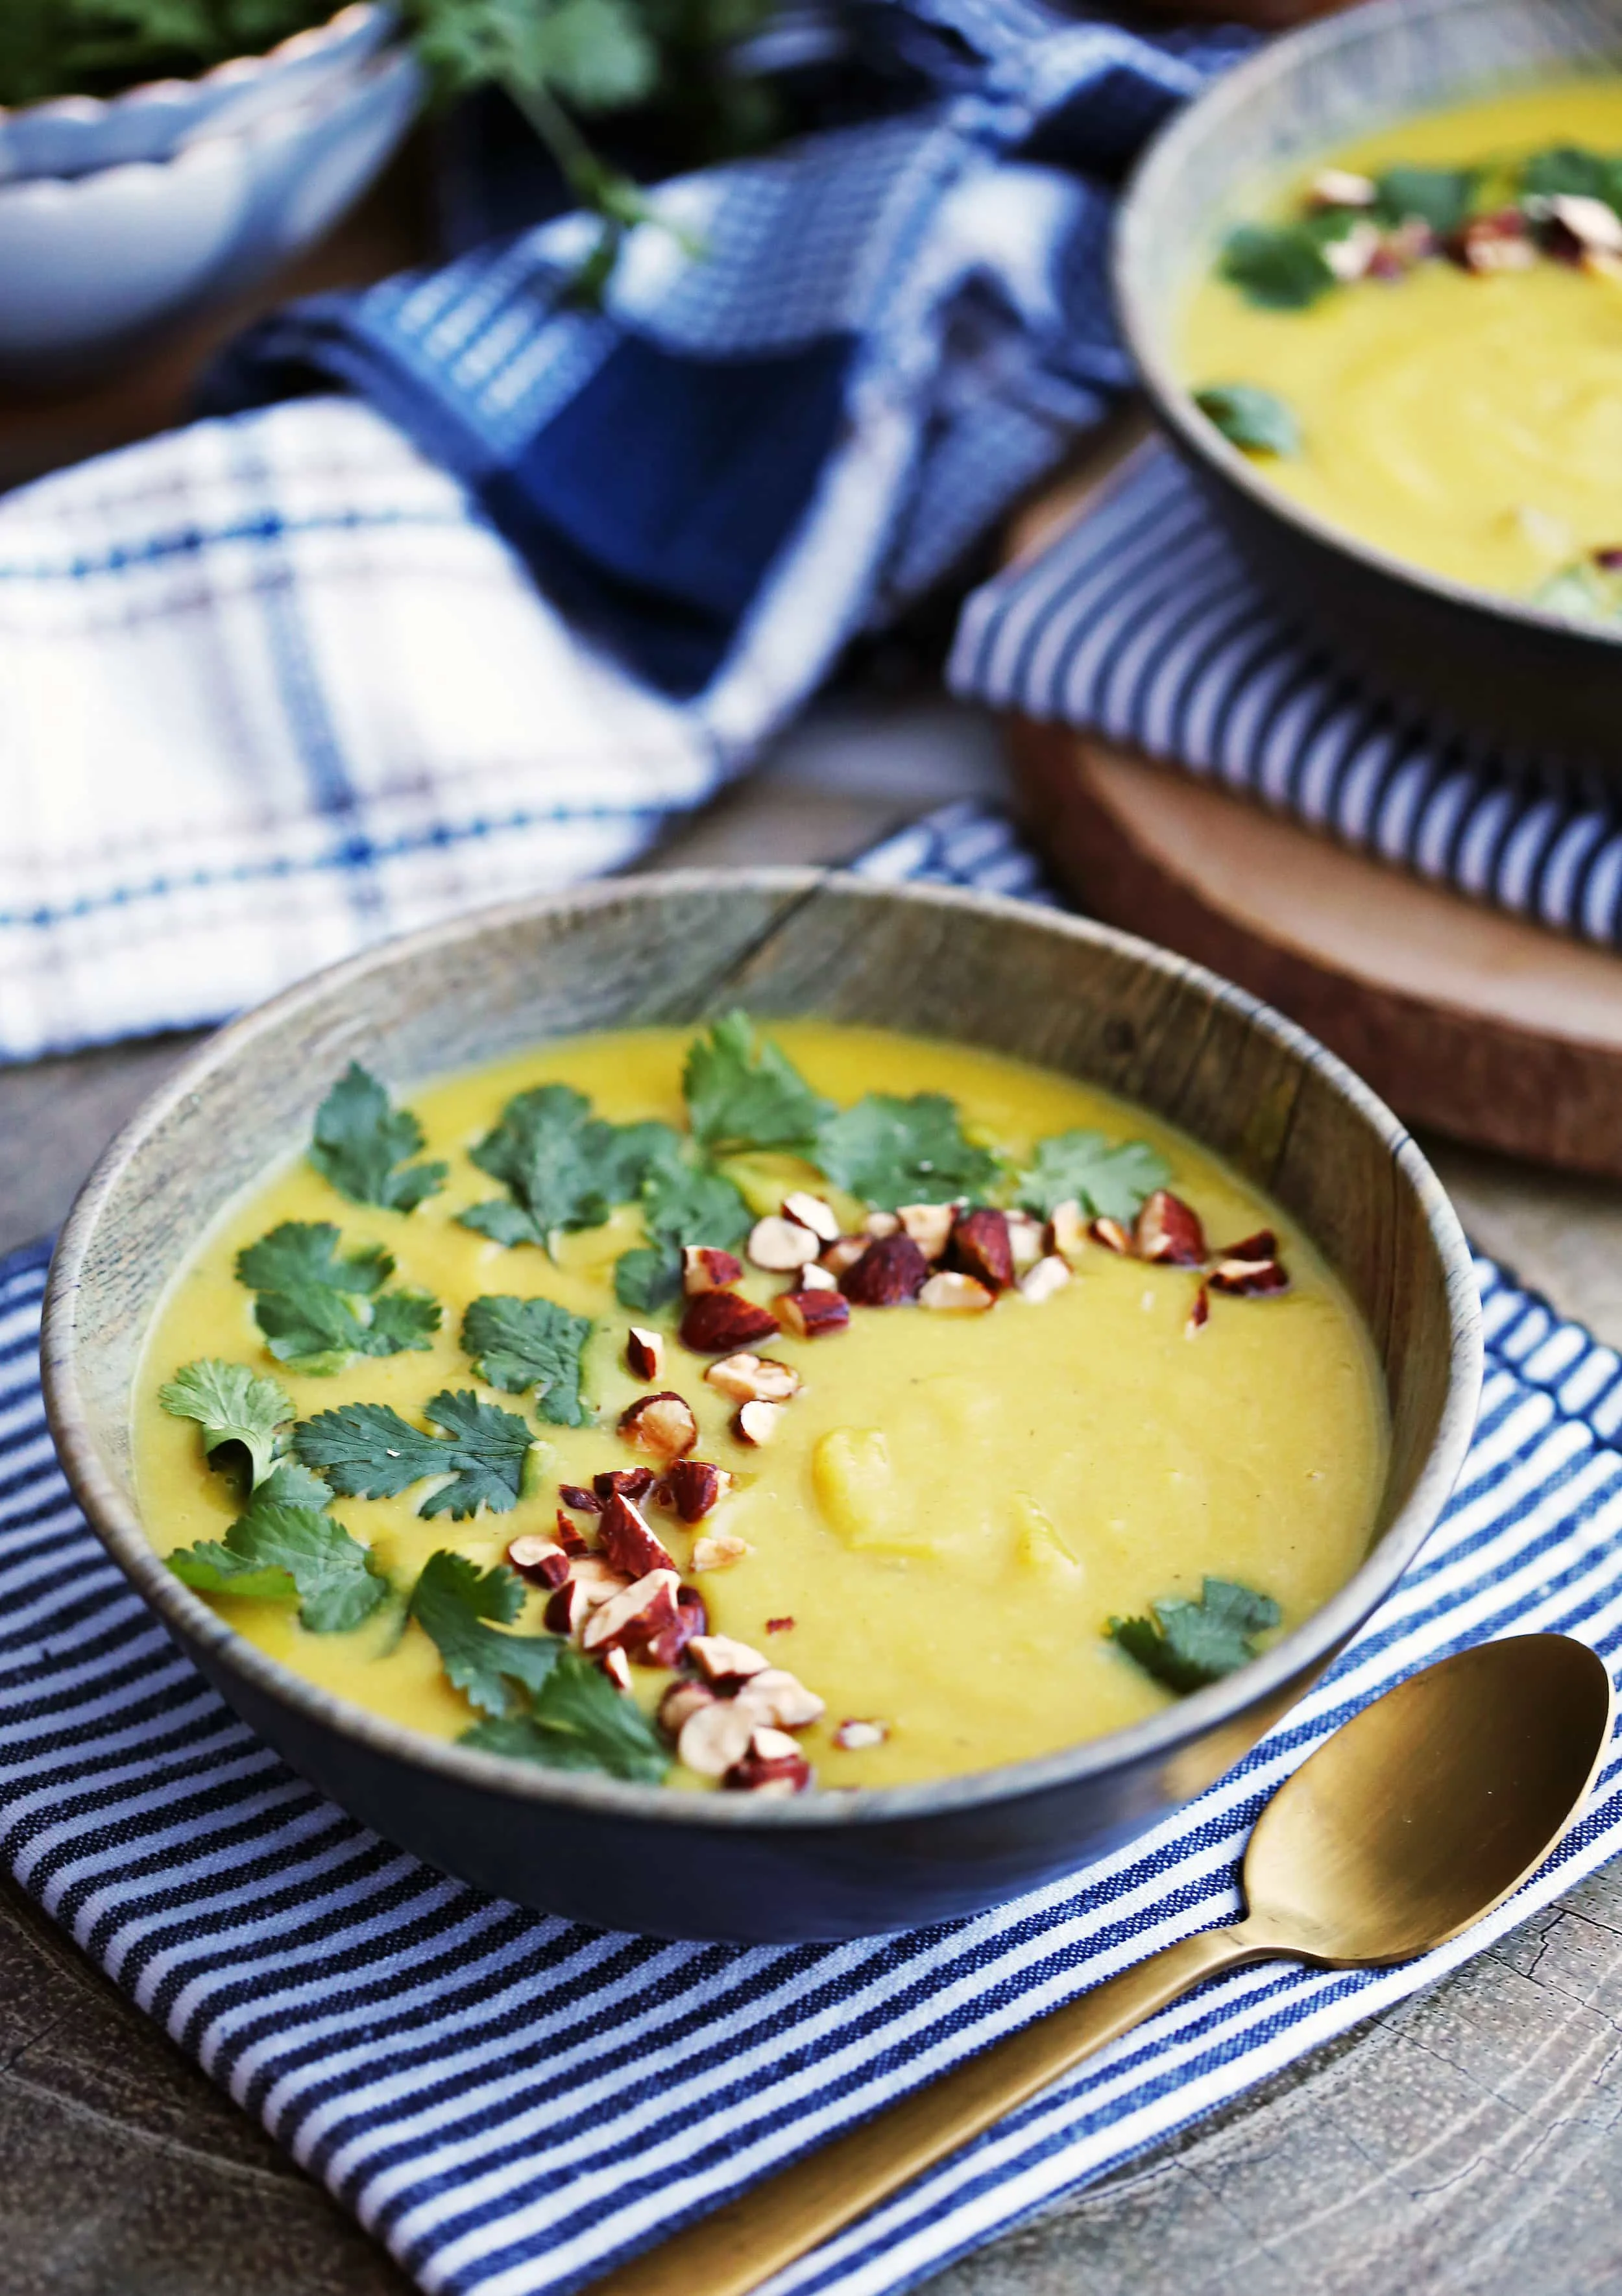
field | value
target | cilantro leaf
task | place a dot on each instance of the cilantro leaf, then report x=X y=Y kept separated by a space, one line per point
x=521 y=1343
x=1569 y=171
x=682 y=1203
x=1281 y=266
x=580 y=1722
x=744 y=1093
x=1188 y=1644
x=1108 y=1179
x=454 y=1602
x=1256 y=421
x=891 y=1152
x=238 y=1411
x=563 y=1167
x=362 y=1143
x=1440 y=197
x=305 y=1251
x=370 y=1452
x=285 y=1549
x=402 y=1323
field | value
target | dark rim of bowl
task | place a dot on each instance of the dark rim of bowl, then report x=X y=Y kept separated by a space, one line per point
x=119 y=1528
x=1138 y=224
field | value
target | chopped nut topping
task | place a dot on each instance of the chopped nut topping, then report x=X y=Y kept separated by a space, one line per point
x=715 y=1737
x=813 y=1212
x=853 y=1736
x=617 y=1665
x=663 y=1424
x=880 y=1224
x=1594 y=224
x=930 y=1226
x=1263 y=1245
x=809 y=1315
x=636 y=1483
x=757 y=1423
x=696 y=1488
x=774 y=1765
x=844 y=1254
x=1495 y=242
x=718 y=1550
x=777 y=1697
x=584 y=1502
x=980 y=1248
x=817 y=1278
x=568 y=1609
x=1248 y=1279
x=1337 y=187
x=754 y=1379
x=1168 y=1229
x=778 y=1626
x=645 y=1352
x=591 y=1583
x=1352 y=256
x=681 y=1702
x=890 y=1273
x=707 y=1270
x=1199 y=1314
x=1047 y=1276
x=629 y=1544
x=668 y=1642
x=1027 y=1240
x=539 y=1560
x=1067 y=1231
x=567 y=1537
x=719 y=1322
x=1112 y=1235
x=781 y=1244
x=638 y=1610
x=955 y=1292
x=719 y=1658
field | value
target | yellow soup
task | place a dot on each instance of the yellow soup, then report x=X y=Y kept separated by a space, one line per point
x=953 y=1506
x=1467 y=420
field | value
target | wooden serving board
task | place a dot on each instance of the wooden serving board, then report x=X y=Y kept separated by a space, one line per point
x=1470 y=1023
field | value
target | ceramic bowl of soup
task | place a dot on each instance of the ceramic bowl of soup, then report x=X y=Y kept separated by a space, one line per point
x=1384 y=254
x=760 y=1405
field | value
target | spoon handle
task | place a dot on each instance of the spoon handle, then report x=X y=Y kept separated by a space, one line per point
x=736 y=2247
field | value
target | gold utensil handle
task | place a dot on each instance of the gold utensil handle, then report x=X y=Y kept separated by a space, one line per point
x=734 y=2248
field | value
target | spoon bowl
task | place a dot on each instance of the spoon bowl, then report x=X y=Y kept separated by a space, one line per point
x=1428 y=1807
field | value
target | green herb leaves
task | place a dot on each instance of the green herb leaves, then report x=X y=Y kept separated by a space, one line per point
x=682 y=1203
x=1281 y=267
x=743 y=1092
x=1254 y=420
x=239 y=1413
x=562 y=1167
x=284 y=1549
x=1440 y=198
x=522 y=1343
x=891 y=1152
x=454 y=1602
x=1188 y=1644
x=1108 y=1179
x=362 y=1143
x=366 y=1451
x=1570 y=172
x=306 y=1297
x=574 y=1718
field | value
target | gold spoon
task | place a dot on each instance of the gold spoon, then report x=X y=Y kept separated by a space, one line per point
x=1418 y=1817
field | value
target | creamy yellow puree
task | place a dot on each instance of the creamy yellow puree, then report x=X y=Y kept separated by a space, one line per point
x=1469 y=424
x=956 y=1505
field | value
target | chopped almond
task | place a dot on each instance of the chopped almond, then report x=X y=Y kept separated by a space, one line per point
x=1169 y=1230
x=629 y=1544
x=650 y=1601
x=1337 y=187
x=617 y=1665
x=704 y=1270
x=591 y=1583
x=645 y=1352
x=890 y=1273
x=696 y=1488
x=777 y=1697
x=663 y=1424
x=634 y=1483
x=1067 y=1231
x=1027 y=1240
x=878 y=1224
x=715 y=1737
x=809 y=1315
x=853 y=1736
x=584 y=1502
x=781 y=1244
x=567 y=1537
x=980 y=1248
x=1047 y=1276
x=774 y=1765
x=754 y=1379
x=930 y=1226
x=681 y=1702
x=844 y=1254
x=720 y=1322
x=955 y=1292
x=1112 y=1235
x=817 y=1278
x=1263 y=1245
x=718 y=1550
x=541 y=1561
x=757 y=1423
x=719 y=1658
x=1199 y=1314
x=813 y=1212
x=1248 y=1279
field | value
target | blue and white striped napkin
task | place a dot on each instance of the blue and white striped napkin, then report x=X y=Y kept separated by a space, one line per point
x=1141 y=623
x=511 y=2104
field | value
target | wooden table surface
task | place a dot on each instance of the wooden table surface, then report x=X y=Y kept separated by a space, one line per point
x=1469 y=2142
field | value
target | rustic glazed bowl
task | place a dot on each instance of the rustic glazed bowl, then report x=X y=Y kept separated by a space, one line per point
x=1527 y=683
x=1076 y=997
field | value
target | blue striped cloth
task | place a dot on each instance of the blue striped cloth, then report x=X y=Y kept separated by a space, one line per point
x=1141 y=623
x=513 y=2104
x=307 y=673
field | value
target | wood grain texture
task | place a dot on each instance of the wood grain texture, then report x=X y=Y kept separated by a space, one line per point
x=1476 y=1024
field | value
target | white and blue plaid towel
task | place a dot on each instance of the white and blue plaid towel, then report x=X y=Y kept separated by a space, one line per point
x=1141 y=623
x=513 y=2104
x=311 y=672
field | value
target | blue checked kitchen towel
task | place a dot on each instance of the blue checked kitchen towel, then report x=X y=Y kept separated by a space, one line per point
x=1141 y=623
x=314 y=671
x=511 y=2104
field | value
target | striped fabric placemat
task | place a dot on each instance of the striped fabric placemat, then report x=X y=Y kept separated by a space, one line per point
x=1141 y=623
x=511 y=2103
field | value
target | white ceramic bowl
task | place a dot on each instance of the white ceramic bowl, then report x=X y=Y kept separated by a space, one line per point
x=93 y=265
x=76 y=135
